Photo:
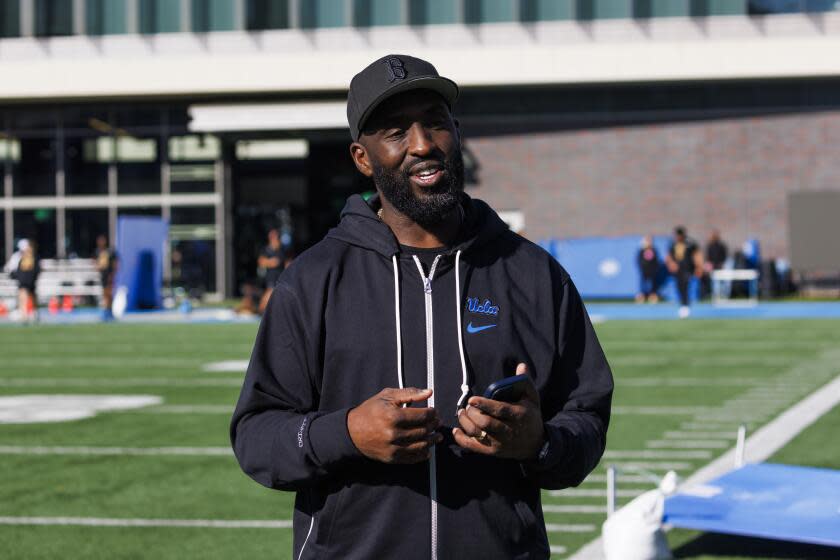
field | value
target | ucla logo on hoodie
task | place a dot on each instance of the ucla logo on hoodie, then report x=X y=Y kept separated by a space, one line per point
x=474 y=305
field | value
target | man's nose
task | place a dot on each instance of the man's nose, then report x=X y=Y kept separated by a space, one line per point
x=420 y=140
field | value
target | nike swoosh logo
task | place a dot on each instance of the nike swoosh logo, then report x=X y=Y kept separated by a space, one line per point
x=472 y=330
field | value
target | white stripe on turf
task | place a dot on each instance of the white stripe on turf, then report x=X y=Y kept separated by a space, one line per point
x=190 y=409
x=557 y=549
x=687 y=444
x=688 y=381
x=116 y=382
x=573 y=509
x=110 y=522
x=238 y=366
x=84 y=450
x=653 y=465
x=587 y=493
x=569 y=528
x=657 y=454
x=661 y=410
x=601 y=478
x=692 y=434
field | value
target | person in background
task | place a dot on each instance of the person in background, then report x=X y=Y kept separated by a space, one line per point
x=273 y=260
x=26 y=275
x=716 y=253
x=648 y=261
x=684 y=260
x=106 y=264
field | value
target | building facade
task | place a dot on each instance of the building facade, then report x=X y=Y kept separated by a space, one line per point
x=587 y=117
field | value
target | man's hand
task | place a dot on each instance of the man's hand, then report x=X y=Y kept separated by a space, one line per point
x=509 y=430
x=385 y=431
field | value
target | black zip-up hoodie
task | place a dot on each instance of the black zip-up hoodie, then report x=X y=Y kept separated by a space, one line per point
x=329 y=340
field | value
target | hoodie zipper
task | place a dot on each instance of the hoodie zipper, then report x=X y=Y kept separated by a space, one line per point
x=430 y=384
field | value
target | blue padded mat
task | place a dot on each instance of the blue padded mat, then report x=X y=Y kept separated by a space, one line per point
x=782 y=502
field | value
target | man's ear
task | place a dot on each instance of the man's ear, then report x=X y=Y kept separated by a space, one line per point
x=360 y=158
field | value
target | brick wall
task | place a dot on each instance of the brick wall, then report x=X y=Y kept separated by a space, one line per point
x=732 y=174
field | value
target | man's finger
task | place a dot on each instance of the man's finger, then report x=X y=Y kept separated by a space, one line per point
x=471 y=443
x=531 y=393
x=413 y=417
x=487 y=423
x=497 y=409
x=409 y=395
x=407 y=437
x=468 y=426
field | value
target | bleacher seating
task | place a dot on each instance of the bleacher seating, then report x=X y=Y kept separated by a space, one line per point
x=59 y=278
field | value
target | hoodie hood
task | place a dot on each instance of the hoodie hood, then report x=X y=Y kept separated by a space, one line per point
x=360 y=226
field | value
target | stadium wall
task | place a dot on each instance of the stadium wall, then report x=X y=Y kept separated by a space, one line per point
x=729 y=174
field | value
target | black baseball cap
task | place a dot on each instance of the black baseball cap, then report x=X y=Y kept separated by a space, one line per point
x=388 y=76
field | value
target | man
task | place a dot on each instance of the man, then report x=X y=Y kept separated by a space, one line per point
x=648 y=261
x=272 y=259
x=106 y=264
x=363 y=390
x=684 y=260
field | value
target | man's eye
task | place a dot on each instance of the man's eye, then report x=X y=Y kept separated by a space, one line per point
x=394 y=132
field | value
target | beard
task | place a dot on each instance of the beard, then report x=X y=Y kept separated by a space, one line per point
x=434 y=203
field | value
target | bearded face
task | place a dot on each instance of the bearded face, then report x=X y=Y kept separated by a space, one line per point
x=424 y=205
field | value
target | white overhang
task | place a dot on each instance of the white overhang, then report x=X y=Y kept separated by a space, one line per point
x=297 y=61
x=268 y=116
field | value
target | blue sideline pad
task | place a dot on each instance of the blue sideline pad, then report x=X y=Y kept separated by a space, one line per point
x=781 y=502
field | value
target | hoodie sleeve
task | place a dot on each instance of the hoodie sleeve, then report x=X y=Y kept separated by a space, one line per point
x=279 y=436
x=576 y=400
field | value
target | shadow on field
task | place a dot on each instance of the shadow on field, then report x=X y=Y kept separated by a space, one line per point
x=714 y=544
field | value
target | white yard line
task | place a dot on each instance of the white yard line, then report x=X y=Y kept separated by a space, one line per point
x=689 y=382
x=189 y=409
x=85 y=450
x=116 y=382
x=574 y=509
x=569 y=528
x=706 y=435
x=657 y=454
x=111 y=522
x=661 y=410
x=687 y=444
x=238 y=366
x=759 y=446
x=596 y=493
x=653 y=465
x=557 y=549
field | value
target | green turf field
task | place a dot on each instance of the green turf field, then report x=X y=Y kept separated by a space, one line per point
x=682 y=390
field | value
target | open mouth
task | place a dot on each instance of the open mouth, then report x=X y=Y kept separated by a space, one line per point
x=426 y=173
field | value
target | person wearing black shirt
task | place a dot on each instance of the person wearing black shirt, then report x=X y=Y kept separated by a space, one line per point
x=273 y=260
x=648 y=261
x=684 y=260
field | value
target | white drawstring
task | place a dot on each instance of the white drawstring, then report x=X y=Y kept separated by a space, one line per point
x=465 y=388
x=397 y=314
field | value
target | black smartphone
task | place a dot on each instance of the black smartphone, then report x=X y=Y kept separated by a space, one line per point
x=509 y=389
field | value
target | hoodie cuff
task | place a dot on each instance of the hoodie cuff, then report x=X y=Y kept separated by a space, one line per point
x=330 y=439
x=550 y=454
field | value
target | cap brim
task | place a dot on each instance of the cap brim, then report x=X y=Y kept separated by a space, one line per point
x=444 y=86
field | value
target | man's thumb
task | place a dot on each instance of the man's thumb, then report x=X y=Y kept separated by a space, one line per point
x=411 y=394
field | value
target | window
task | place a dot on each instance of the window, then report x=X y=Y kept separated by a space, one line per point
x=192 y=235
x=267 y=14
x=377 y=12
x=488 y=11
x=546 y=10
x=105 y=17
x=34 y=175
x=603 y=9
x=82 y=226
x=422 y=12
x=660 y=8
x=193 y=163
x=323 y=13
x=212 y=15
x=39 y=227
x=160 y=16
x=53 y=17
x=9 y=18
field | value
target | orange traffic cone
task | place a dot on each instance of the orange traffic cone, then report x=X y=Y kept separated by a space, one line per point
x=52 y=306
x=3 y=309
x=67 y=304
